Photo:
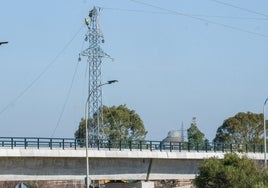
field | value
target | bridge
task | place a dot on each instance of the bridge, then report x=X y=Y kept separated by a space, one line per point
x=64 y=159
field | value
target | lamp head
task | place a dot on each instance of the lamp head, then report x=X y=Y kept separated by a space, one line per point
x=265 y=101
x=3 y=43
x=111 y=81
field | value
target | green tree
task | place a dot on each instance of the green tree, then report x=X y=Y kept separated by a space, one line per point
x=194 y=134
x=243 y=128
x=119 y=123
x=232 y=171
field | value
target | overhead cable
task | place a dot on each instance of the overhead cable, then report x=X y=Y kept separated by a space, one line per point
x=201 y=19
x=66 y=100
x=198 y=15
x=37 y=78
x=240 y=8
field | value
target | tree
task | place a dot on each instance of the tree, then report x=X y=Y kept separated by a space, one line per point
x=119 y=123
x=194 y=134
x=232 y=171
x=243 y=128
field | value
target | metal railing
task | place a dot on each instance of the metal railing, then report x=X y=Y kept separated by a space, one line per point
x=32 y=142
x=73 y=143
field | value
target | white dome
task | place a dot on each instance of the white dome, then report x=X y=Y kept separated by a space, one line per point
x=173 y=133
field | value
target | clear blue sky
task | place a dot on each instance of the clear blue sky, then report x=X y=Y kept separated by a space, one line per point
x=174 y=60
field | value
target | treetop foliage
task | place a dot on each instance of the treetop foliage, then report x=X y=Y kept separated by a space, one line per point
x=119 y=123
x=122 y=123
x=194 y=134
x=242 y=128
x=232 y=171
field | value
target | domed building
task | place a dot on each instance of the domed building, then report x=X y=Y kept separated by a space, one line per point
x=173 y=136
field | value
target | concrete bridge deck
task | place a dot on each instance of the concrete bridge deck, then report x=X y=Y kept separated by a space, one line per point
x=58 y=164
x=65 y=159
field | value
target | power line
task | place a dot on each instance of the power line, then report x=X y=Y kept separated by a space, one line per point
x=30 y=85
x=201 y=19
x=240 y=8
x=66 y=100
x=197 y=15
x=230 y=17
x=134 y=10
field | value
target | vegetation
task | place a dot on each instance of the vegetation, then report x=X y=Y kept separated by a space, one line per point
x=120 y=123
x=243 y=128
x=32 y=186
x=232 y=171
x=195 y=136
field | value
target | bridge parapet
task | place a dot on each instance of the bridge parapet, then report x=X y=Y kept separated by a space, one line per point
x=113 y=153
x=58 y=164
x=23 y=159
x=77 y=144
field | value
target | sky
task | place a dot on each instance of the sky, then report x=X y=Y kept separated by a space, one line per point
x=174 y=60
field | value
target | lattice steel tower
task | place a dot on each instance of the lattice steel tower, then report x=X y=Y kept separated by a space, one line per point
x=94 y=54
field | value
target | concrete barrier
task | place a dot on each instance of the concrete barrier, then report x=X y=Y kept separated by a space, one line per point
x=46 y=164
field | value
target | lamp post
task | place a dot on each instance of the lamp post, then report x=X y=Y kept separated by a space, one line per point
x=86 y=118
x=264 y=133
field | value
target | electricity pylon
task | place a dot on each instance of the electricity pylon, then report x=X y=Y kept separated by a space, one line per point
x=94 y=54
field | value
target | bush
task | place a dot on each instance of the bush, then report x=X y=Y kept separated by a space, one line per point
x=232 y=171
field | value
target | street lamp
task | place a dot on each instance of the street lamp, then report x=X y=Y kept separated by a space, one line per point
x=3 y=43
x=264 y=133
x=86 y=117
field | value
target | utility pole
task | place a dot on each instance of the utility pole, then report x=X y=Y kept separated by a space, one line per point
x=264 y=134
x=182 y=132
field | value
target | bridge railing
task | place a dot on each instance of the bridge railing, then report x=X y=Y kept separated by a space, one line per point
x=73 y=143
x=31 y=142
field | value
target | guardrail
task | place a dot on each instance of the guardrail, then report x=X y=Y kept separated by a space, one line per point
x=73 y=143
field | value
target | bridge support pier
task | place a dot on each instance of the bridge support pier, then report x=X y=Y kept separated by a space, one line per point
x=147 y=184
